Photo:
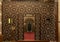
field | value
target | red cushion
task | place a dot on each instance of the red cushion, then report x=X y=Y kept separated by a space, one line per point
x=29 y=36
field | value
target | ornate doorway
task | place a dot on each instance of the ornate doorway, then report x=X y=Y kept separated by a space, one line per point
x=29 y=22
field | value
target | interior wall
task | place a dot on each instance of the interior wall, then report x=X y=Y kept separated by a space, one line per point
x=59 y=19
x=45 y=17
x=0 y=17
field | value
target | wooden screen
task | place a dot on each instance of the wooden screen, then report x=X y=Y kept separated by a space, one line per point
x=44 y=12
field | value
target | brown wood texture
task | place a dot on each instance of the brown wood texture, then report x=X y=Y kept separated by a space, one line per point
x=1 y=38
x=34 y=41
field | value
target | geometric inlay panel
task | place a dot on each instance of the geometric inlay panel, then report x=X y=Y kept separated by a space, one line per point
x=44 y=13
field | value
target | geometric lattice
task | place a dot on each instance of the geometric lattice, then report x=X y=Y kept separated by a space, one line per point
x=45 y=19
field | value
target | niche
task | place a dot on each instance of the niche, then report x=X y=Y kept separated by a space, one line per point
x=29 y=22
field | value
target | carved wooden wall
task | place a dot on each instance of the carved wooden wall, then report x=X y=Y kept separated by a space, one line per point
x=45 y=19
